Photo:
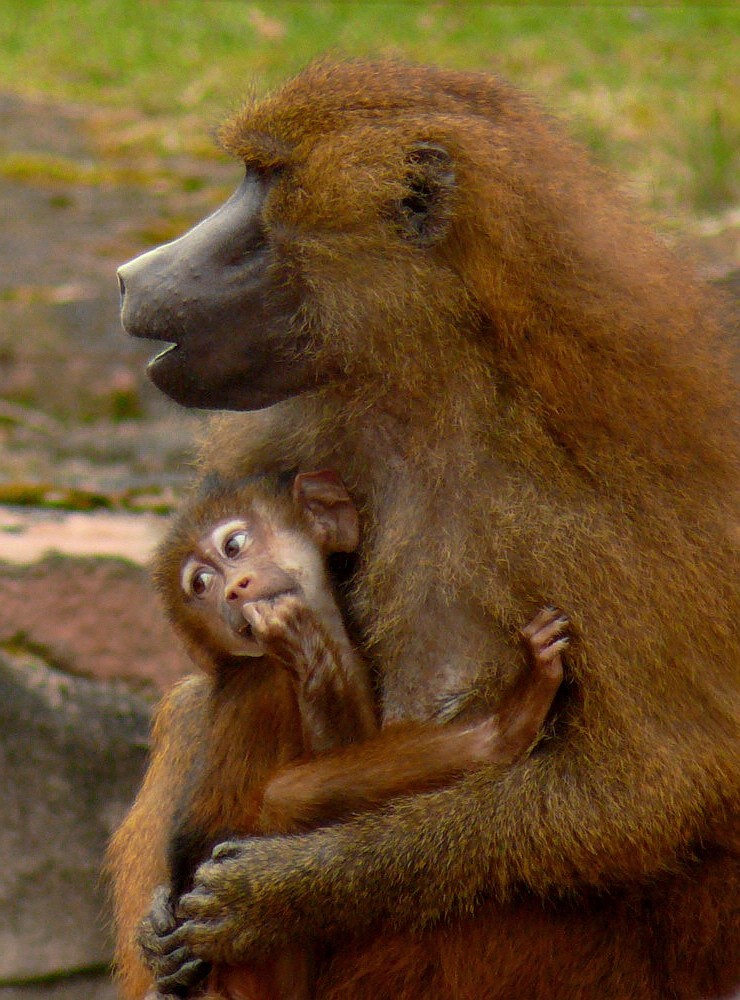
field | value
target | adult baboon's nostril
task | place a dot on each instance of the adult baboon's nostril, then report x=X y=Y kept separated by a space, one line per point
x=121 y=286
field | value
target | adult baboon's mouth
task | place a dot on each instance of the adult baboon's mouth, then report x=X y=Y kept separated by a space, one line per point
x=160 y=355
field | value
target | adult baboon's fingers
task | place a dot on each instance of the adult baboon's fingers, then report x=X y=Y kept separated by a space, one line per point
x=227 y=850
x=188 y=975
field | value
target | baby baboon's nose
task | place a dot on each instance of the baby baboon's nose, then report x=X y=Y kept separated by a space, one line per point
x=238 y=589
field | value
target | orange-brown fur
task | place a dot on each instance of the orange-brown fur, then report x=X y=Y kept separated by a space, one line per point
x=537 y=407
x=253 y=728
x=137 y=854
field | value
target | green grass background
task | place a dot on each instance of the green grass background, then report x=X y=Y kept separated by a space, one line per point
x=653 y=90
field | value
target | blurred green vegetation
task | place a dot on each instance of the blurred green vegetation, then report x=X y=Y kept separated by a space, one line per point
x=653 y=90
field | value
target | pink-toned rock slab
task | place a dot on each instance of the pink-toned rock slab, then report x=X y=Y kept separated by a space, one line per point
x=28 y=535
x=74 y=589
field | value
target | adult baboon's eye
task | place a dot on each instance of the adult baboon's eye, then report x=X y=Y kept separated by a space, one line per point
x=234 y=543
x=200 y=581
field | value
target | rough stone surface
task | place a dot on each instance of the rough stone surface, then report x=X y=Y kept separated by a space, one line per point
x=78 y=637
x=95 y=617
x=83 y=987
x=71 y=757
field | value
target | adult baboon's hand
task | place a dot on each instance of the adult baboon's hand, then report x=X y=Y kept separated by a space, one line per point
x=247 y=901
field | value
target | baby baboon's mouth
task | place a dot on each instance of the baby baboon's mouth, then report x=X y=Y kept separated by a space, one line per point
x=244 y=631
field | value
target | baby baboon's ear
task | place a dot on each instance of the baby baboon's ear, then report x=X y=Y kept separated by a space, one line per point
x=424 y=213
x=329 y=510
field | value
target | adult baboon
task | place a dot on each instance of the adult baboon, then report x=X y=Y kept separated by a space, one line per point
x=529 y=397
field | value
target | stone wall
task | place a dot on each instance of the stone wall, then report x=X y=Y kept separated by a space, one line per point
x=83 y=654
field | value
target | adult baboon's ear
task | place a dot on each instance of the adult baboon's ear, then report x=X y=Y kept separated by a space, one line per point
x=425 y=212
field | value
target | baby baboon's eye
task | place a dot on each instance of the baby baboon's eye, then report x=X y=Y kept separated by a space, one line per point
x=200 y=581
x=234 y=544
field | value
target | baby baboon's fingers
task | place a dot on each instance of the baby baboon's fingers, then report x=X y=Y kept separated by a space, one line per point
x=551 y=630
x=541 y=620
x=553 y=649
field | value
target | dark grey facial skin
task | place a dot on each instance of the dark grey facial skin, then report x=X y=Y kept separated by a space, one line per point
x=215 y=295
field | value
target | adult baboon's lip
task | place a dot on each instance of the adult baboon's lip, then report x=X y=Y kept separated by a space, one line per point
x=161 y=354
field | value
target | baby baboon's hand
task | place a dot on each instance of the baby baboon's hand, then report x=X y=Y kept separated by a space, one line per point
x=525 y=706
x=545 y=638
x=176 y=970
x=283 y=625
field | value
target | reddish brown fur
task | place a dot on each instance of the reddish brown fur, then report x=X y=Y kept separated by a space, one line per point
x=137 y=855
x=249 y=732
x=253 y=728
x=537 y=407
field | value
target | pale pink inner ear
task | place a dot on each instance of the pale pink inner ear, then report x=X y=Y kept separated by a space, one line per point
x=328 y=507
x=346 y=536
